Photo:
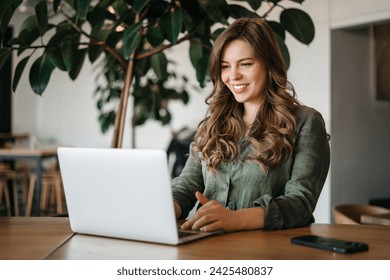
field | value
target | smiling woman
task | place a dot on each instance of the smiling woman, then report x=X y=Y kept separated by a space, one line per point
x=259 y=158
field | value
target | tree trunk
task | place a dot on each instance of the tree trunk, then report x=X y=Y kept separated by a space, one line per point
x=117 y=138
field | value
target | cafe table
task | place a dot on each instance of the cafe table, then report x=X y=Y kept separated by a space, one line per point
x=51 y=238
x=36 y=155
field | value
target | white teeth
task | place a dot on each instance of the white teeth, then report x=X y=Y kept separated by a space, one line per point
x=238 y=86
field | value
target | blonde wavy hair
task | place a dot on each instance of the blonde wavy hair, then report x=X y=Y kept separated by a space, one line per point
x=272 y=133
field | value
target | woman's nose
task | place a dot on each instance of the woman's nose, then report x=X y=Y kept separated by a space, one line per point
x=235 y=73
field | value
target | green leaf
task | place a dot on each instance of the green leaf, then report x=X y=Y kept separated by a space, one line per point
x=40 y=73
x=202 y=70
x=237 y=11
x=214 y=9
x=196 y=51
x=15 y=42
x=82 y=7
x=155 y=36
x=192 y=14
x=142 y=67
x=55 y=48
x=29 y=32
x=299 y=24
x=216 y=33
x=171 y=24
x=106 y=120
x=95 y=51
x=55 y=55
x=67 y=53
x=78 y=58
x=131 y=40
x=99 y=13
x=121 y=9
x=255 y=4
x=159 y=64
x=277 y=28
x=19 y=71
x=5 y=54
x=42 y=18
x=139 y=5
x=7 y=9
x=113 y=38
x=284 y=50
x=4 y=4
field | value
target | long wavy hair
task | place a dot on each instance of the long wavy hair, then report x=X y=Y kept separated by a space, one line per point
x=271 y=136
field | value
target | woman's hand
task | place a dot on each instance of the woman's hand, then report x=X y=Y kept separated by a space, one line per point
x=214 y=216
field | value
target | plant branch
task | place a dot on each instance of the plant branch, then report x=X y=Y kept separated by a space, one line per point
x=107 y=48
x=164 y=47
x=121 y=114
x=273 y=5
x=28 y=48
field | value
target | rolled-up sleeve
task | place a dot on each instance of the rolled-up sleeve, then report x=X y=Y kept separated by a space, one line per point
x=189 y=182
x=309 y=169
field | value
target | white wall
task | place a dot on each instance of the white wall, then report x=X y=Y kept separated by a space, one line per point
x=360 y=121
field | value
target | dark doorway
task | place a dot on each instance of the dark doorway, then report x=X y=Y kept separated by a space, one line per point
x=5 y=91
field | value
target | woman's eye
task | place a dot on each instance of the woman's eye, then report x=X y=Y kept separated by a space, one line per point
x=245 y=64
x=224 y=66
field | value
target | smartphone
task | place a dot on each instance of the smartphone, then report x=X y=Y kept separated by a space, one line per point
x=330 y=244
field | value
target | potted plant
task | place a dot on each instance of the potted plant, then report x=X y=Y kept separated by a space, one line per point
x=128 y=39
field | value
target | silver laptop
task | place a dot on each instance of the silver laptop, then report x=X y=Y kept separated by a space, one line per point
x=121 y=193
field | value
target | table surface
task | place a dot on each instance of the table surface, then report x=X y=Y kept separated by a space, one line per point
x=51 y=238
x=25 y=151
x=32 y=238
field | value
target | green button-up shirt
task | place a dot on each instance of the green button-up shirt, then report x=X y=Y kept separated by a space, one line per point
x=288 y=192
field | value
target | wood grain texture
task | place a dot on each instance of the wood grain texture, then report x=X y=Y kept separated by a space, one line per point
x=32 y=238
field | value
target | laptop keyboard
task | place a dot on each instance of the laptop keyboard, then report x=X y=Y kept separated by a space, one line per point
x=183 y=233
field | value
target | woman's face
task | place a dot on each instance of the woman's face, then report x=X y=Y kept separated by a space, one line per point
x=243 y=73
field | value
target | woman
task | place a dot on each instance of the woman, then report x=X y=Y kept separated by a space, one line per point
x=259 y=158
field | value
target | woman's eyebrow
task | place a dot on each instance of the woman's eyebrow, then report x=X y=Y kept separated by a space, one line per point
x=241 y=59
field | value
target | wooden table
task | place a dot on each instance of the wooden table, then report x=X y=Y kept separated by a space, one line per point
x=51 y=238
x=12 y=137
x=32 y=238
x=37 y=155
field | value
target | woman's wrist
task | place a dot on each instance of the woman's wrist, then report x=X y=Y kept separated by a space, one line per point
x=250 y=218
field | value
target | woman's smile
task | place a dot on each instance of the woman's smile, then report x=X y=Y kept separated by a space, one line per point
x=240 y=87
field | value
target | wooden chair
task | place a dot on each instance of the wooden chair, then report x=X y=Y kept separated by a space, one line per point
x=351 y=213
x=6 y=176
x=4 y=191
x=52 y=191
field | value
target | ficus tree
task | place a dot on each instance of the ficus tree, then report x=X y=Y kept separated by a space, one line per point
x=128 y=40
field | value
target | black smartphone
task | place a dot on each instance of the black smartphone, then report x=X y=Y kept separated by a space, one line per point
x=330 y=244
